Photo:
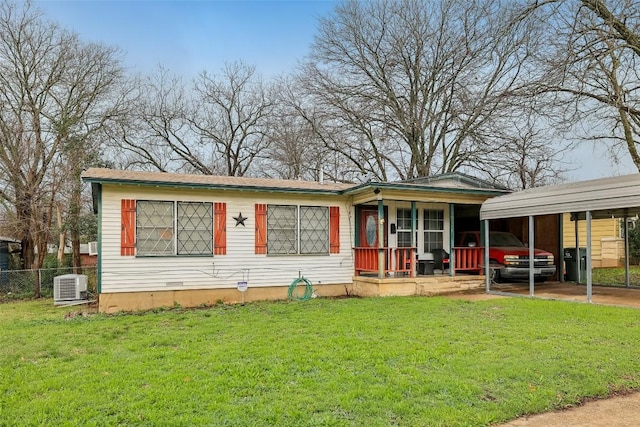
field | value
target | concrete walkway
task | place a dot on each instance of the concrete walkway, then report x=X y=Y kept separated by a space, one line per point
x=619 y=411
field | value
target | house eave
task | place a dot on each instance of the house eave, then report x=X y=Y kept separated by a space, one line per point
x=199 y=186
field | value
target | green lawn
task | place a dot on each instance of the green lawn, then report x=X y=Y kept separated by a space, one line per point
x=346 y=362
x=615 y=276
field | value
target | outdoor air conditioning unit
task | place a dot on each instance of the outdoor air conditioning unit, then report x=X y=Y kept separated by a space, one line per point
x=93 y=248
x=70 y=287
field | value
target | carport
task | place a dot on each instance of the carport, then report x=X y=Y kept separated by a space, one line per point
x=585 y=200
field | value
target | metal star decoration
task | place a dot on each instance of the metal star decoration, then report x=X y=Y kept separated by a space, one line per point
x=240 y=219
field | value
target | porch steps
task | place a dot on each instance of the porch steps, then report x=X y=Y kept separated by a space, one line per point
x=422 y=285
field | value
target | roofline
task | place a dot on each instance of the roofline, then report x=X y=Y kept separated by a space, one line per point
x=210 y=186
x=422 y=187
x=355 y=188
x=463 y=177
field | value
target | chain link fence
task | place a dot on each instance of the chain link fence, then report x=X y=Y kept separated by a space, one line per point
x=23 y=284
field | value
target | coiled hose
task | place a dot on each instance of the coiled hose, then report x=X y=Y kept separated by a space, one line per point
x=293 y=293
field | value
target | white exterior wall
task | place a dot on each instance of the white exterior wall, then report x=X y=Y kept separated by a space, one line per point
x=393 y=206
x=132 y=274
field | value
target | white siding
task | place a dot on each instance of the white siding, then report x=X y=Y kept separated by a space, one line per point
x=129 y=274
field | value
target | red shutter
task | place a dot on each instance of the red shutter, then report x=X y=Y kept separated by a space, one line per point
x=128 y=232
x=261 y=229
x=220 y=229
x=334 y=229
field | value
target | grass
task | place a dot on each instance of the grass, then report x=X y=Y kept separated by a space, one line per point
x=615 y=275
x=407 y=361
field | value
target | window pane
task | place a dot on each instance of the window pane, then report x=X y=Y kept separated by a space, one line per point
x=404 y=239
x=432 y=240
x=282 y=224
x=314 y=230
x=404 y=219
x=195 y=228
x=154 y=228
x=434 y=229
x=433 y=219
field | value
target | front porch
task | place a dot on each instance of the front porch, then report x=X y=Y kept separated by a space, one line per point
x=422 y=285
x=388 y=262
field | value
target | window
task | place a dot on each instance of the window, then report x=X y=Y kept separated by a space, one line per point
x=297 y=229
x=282 y=224
x=195 y=228
x=168 y=228
x=154 y=228
x=404 y=228
x=314 y=230
x=433 y=226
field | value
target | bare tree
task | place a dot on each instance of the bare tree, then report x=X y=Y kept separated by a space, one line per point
x=215 y=126
x=296 y=150
x=53 y=98
x=156 y=133
x=411 y=88
x=592 y=65
x=528 y=157
x=232 y=114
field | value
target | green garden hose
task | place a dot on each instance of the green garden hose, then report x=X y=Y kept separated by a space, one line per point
x=293 y=290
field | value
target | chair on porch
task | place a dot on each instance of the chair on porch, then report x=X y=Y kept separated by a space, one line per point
x=441 y=259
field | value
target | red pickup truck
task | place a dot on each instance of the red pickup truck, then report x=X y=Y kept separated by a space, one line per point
x=509 y=257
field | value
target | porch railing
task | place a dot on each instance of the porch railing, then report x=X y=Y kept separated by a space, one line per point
x=397 y=260
x=468 y=259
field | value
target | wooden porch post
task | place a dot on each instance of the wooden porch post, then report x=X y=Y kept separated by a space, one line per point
x=381 y=260
x=452 y=241
x=414 y=242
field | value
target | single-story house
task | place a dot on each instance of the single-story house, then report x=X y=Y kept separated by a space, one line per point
x=166 y=239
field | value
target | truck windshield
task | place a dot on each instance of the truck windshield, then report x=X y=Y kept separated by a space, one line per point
x=504 y=239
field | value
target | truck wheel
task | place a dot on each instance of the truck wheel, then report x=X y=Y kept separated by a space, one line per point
x=494 y=275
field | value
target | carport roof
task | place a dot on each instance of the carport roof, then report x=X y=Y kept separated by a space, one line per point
x=606 y=197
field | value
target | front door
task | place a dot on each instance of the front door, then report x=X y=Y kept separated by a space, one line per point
x=368 y=227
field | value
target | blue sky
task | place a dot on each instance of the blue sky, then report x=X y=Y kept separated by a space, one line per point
x=191 y=36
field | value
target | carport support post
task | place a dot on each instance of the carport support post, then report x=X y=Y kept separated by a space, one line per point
x=577 y=255
x=532 y=260
x=487 y=271
x=626 y=250
x=589 y=284
x=560 y=261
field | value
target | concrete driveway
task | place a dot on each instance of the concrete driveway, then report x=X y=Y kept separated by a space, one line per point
x=574 y=292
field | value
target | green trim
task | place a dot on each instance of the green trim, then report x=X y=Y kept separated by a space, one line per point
x=452 y=239
x=169 y=184
x=414 y=223
x=97 y=195
x=347 y=191
x=422 y=188
x=356 y=220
